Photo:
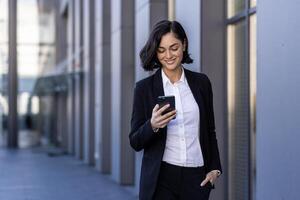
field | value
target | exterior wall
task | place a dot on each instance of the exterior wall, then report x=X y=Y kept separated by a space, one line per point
x=78 y=82
x=89 y=81
x=122 y=80
x=103 y=86
x=213 y=46
x=278 y=98
x=71 y=93
x=61 y=56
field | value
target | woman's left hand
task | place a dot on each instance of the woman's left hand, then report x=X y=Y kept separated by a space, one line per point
x=211 y=176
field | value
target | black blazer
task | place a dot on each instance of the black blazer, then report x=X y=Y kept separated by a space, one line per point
x=142 y=136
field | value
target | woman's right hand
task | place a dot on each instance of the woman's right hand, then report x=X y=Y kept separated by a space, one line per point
x=158 y=120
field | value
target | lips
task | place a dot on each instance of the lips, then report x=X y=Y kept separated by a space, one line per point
x=170 y=62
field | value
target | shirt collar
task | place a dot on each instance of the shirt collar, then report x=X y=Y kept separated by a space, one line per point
x=166 y=80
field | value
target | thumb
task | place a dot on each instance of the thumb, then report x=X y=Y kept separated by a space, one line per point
x=204 y=181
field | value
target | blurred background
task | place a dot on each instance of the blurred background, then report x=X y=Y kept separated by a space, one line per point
x=67 y=73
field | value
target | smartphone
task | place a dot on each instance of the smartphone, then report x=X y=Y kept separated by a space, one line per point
x=163 y=100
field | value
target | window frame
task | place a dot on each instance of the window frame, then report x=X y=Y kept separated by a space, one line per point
x=232 y=20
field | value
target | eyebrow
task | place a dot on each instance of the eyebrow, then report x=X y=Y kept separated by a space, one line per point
x=170 y=46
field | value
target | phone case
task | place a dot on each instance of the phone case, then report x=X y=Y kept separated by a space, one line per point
x=163 y=100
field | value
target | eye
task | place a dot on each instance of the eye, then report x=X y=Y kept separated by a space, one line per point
x=160 y=50
x=174 y=48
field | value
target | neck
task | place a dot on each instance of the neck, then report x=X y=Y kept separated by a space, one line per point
x=173 y=75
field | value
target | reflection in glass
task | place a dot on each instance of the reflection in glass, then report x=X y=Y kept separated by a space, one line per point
x=238 y=108
x=28 y=69
x=253 y=3
x=253 y=56
x=3 y=70
x=171 y=9
x=234 y=7
x=253 y=81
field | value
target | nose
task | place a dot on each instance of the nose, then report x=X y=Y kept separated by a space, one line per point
x=169 y=54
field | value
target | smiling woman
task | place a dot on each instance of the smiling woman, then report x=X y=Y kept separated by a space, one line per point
x=178 y=161
x=156 y=49
x=170 y=51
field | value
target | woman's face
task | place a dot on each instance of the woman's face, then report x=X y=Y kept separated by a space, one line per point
x=170 y=51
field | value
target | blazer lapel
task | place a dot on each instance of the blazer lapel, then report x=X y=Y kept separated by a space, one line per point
x=158 y=89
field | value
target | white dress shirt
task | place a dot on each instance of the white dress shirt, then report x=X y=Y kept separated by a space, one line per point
x=182 y=145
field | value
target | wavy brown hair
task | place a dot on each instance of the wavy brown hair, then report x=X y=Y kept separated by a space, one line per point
x=148 y=54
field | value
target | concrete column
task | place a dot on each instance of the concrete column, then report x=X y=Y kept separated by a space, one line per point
x=62 y=120
x=103 y=86
x=71 y=64
x=122 y=58
x=88 y=74
x=12 y=75
x=213 y=42
x=78 y=79
x=147 y=13
x=189 y=16
x=278 y=97
x=61 y=56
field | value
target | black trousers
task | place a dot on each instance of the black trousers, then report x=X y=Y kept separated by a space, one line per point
x=181 y=183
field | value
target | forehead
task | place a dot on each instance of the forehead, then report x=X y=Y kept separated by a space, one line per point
x=168 y=40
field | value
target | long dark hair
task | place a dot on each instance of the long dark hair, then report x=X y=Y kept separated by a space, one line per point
x=148 y=54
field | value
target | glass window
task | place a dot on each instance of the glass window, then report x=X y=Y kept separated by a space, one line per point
x=28 y=51
x=253 y=3
x=234 y=7
x=3 y=70
x=253 y=52
x=238 y=107
x=253 y=80
x=3 y=41
x=171 y=9
x=241 y=76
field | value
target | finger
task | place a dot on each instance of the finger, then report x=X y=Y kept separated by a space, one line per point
x=162 y=109
x=205 y=181
x=167 y=115
x=155 y=109
x=163 y=123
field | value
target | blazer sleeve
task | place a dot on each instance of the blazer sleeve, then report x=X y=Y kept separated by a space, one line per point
x=141 y=133
x=215 y=163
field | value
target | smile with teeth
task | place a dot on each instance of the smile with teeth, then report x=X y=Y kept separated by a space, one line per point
x=170 y=62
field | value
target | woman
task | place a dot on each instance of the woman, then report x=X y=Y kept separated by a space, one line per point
x=181 y=157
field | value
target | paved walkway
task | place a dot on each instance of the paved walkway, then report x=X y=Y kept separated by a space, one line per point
x=31 y=174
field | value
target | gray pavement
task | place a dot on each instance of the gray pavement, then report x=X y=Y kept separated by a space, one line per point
x=30 y=174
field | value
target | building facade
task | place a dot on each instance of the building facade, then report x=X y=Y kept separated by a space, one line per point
x=249 y=53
